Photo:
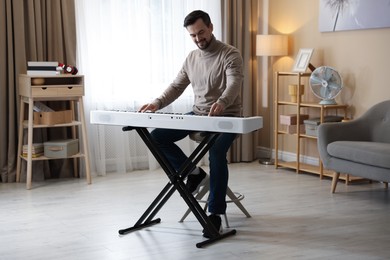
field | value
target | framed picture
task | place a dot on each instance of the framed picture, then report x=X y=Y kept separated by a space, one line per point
x=339 y=15
x=302 y=60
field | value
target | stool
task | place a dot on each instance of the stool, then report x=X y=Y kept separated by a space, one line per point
x=234 y=197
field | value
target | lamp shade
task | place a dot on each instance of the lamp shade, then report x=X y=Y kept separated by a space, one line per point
x=271 y=45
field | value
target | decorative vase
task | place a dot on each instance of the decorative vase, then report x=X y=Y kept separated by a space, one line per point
x=292 y=91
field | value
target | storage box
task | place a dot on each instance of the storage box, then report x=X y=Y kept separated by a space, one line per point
x=311 y=125
x=53 y=118
x=292 y=129
x=291 y=119
x=61 y=148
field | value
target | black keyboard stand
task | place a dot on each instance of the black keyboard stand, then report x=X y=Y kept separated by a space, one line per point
x=176 y=182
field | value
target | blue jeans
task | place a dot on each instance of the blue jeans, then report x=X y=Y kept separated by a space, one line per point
x=219 y=173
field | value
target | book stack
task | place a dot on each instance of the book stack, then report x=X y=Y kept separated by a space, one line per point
x=43 y=68
x=37 y=150
x=40 y=107
x=289 y=123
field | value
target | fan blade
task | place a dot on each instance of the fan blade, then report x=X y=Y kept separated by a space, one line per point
x=334 y=86
x=314 y=80
x=326 y=93
x=328 y=74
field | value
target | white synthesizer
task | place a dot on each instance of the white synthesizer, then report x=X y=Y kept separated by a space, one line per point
x=239 y=125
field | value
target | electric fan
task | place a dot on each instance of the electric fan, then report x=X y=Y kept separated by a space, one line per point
x=326 y=83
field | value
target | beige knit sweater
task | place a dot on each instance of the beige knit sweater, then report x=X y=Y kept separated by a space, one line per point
x=215 y=75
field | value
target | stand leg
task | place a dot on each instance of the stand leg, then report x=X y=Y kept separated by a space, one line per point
x=29 y=143
x=198 y=197
x=20 y=142
x=85 y=141
x=236 y=201
x=74 y=136
x=146 y=219
x=176 y=179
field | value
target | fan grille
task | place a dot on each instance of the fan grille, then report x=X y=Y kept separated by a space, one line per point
x=326 y=83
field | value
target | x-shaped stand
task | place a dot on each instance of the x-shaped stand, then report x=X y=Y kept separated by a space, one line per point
x=176 y=182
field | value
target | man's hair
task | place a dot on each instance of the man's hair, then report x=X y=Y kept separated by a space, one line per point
x=195 y=15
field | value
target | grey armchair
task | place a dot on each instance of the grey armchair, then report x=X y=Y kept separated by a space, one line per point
x=359 y=147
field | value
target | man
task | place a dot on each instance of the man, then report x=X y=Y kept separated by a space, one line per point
x=215 y=72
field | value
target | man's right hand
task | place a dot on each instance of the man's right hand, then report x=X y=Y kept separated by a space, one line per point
x=148 y=108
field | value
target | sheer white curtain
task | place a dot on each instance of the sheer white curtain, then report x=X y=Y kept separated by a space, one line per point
x=129 y=51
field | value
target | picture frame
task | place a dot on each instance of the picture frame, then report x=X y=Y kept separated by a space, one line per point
x=353 y=15
x=302 y=60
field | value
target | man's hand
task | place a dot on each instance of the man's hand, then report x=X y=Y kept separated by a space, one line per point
x=216 y=109
x=148 y=107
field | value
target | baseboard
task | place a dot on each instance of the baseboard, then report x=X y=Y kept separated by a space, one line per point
x=264 y=152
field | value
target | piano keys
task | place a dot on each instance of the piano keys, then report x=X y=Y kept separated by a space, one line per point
x=221 y=124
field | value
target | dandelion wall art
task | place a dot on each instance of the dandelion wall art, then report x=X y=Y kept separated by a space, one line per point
x=338 y=15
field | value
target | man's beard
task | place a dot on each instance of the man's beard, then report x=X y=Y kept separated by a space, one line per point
x=203 y=44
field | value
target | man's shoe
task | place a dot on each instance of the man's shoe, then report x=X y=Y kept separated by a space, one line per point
x=195 y=181
x=216 y=221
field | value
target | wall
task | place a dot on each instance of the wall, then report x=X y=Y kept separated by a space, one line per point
x=360 y=56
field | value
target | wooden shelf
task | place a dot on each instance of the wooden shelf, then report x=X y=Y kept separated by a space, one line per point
x=73 y=123
x=297 y=106
x=44 y=158
x=307 y=136
x=54 y=88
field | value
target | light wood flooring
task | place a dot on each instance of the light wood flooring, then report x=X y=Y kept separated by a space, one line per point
x=294 y=216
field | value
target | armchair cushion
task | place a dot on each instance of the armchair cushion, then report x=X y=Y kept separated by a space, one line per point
x=370 y=153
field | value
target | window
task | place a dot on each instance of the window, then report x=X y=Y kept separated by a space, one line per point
x=129 y=51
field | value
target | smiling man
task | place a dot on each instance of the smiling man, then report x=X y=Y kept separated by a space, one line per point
x=202 y=38
x=214 y=71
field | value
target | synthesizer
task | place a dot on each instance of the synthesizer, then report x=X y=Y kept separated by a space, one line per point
x=221 y=124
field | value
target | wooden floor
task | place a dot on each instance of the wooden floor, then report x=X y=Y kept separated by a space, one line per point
x=294 y=216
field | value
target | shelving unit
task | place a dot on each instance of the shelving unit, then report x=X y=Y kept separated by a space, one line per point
x=51 y=88
x=297 y=107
